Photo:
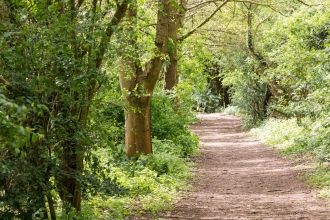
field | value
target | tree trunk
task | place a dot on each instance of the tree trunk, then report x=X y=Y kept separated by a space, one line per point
x=137 y=85
x=138 y=126
x=69 y=183
x=264 y=63
x=171 y=74
x=72 y=167
x=137 y=92
x=176 y=14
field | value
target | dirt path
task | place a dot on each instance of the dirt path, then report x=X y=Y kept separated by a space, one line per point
x=239 y=178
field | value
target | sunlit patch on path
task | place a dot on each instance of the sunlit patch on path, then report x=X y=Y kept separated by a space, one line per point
x=240 y=178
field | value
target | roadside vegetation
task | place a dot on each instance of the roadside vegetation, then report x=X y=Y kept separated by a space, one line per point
x=275 y=75
x=296 y=118
x=96 y=97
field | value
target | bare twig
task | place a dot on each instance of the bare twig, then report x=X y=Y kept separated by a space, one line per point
x=261 y=4
x=203 y=23
x=304 y=3
x=200 y=4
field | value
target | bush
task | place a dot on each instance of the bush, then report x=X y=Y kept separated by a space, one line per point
x=170 y=123
x=279 y=133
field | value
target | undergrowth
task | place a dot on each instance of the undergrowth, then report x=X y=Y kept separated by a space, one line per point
x=119 y=186
x=149 y=184
x=279 y=133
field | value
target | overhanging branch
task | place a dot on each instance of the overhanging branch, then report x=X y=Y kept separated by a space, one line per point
x=116 y=19
x=200 y=4
x=271 y=6
x=204 y=22
x=304 y=3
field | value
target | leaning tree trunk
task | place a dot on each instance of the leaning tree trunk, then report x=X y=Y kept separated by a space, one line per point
x=270 y=89
x=137 y=85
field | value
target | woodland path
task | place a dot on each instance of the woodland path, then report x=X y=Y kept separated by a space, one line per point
x=239 y=178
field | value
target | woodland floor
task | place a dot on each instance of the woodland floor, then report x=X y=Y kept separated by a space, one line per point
x=239 y=178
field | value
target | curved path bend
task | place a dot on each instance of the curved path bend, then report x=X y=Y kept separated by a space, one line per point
x=239 y=178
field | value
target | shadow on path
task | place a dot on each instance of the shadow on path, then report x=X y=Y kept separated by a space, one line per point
x=240 y=178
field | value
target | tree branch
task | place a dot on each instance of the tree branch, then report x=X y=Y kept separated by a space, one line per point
x=116 y=19
x=249 y=39
x=304 y=3
x=4 y=82
x=253 y=2
x=262 y=4
x=200 y=4
x=203 y=23
x=223 y=31
x=80 y=2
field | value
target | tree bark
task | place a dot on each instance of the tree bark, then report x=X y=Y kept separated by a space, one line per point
x=138 y=127
x=72 y=165
x=176 y=13
x=176 y=23
x=137 y=85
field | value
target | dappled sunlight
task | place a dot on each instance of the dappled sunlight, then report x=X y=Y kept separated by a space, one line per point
x=239 y=178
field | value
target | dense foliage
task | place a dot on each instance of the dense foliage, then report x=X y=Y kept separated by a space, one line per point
x=277 y=74
x=62 y=116
x=72 y=74
x=301 y=74
x=297 y=48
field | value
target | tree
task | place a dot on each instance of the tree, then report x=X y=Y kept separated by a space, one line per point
x=51 y=63
x=138 y=80
x=178 y=13
x=176 y=22
x=240 y=36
